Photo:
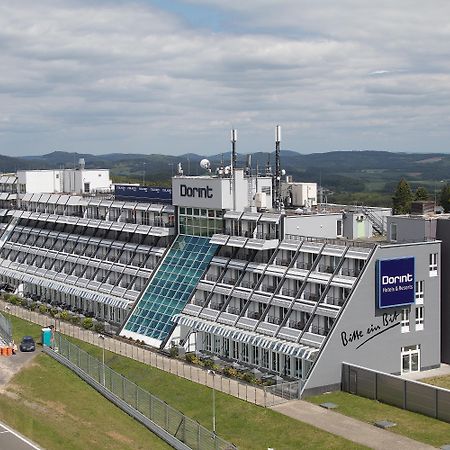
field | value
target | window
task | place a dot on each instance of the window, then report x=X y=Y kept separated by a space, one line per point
x=410 y=358
x=419 y=318
x=207 y=342
x=87 y=187
x=393 y=232
x=433 y=264
x=235 y=348
x=419 y=292
x=404 y=322
x=339 y=228
x=244 y=352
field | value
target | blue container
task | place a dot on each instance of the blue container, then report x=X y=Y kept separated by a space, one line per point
x=46 y=337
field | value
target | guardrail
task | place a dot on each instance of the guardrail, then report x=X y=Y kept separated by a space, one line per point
x=178 y=430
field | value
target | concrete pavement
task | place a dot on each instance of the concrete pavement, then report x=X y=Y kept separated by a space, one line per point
x=12 y=440
x=347 y=427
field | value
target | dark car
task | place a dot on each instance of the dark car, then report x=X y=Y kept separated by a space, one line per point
x=27 y=344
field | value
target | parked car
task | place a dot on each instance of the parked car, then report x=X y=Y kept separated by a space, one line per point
x=27 y=344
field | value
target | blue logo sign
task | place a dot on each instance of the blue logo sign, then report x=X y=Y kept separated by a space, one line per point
x=147 y=194
x=395 y=282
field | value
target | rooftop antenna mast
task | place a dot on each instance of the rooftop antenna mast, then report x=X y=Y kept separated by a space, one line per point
x=233 y=165
x=277 y=184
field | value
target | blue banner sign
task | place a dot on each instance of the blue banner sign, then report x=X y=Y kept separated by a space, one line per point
x=147 y=194
x=395 y=282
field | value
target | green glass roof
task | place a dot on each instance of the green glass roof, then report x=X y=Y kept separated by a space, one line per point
x=171 y=286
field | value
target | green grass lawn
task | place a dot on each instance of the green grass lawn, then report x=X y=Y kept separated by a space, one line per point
x=443 y=381
x=416 y=426
x=246 y=425
x=56 y=409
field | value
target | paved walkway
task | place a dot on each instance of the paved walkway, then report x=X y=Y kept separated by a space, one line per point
x=347 y=427
x=443 y=370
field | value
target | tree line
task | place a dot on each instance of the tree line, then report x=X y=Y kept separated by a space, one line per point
x=404 y=196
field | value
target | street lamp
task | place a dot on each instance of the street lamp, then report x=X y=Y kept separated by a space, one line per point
x=213 y=400
x=102 y=337
x=143 y=174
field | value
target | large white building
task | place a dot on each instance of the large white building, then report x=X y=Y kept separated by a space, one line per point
x=223 y=272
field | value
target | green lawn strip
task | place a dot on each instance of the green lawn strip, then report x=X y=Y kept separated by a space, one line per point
x=56 y=409
x=413 y=425
x=442 y=381
x=246 y=425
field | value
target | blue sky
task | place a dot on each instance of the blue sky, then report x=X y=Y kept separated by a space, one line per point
x=173 y=77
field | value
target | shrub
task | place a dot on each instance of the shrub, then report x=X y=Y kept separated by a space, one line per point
x=208 y=364
x=230 y=372
x=87 y=323
x=75 y=320
x=43 y=309
x=7 y=296
x=248 y=377
x=53 y=312
x=64 y=315
x=191 y=358
x=99 y=327
x=15 y=300
x=173 y=352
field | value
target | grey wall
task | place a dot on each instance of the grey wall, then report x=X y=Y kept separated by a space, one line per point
x=382 y=352
x=412 y=228
x=316 y=225
x=443 y=233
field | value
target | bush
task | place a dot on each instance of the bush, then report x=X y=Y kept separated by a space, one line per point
x=7 y=296
x=14 y=300
x=87 y=323
x=99 y=327
x=173 y=352
x=208 y=364
x=75 y=320
x=43 y=309
x=191 y=358
x=53 y=312
x=230 y=372
x=248 y=377
x=64 y=315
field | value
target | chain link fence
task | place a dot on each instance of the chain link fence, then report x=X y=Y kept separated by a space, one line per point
x=5 y=329
x=174 y=422
x=265 y=396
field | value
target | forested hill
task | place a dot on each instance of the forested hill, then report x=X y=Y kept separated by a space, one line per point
x=361 y=172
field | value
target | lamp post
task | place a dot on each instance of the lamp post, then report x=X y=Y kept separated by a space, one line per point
x=213 y=400
x=102 y=337
x=143 y=174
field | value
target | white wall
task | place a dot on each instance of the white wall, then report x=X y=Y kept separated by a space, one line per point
x=315 y=225
x=39 y=181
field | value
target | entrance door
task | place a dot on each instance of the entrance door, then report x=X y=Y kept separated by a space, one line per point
x=410 y=357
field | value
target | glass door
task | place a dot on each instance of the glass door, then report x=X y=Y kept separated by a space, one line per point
x=410 y=357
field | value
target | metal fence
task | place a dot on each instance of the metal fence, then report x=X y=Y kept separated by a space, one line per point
x=265 y=396
x=5 y=329
x=407 y=394
x=282 y=392
x=186 y=430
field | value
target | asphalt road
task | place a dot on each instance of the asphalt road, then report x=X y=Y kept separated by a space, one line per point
x=11 y=440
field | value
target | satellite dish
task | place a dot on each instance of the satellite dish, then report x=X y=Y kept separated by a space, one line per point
x=227 y=170
x=283 y=172
x=205 y=164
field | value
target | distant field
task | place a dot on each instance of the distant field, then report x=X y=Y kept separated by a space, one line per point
x=246 y=425
x=415 y=426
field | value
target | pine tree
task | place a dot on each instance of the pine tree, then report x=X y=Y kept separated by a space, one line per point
x=421 y=194
x=401 y=201
x=444 y=198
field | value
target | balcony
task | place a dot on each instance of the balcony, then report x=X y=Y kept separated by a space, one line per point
x=199 y=302
x=326 y=269
x=304 y=265
x=350 y=272
x=289 y=292
x=267 y=288
x=231 y=281
x=296 y=325
x=234 y=310
x=337 y=301
x=311 y=296
x=254 y=315
x=315 y=329
x=216 y=306
x=274 y=320
x=212 y=278
x=248 y=284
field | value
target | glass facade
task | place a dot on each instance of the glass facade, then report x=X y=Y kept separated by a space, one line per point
x=171 y=286
x=200 y=222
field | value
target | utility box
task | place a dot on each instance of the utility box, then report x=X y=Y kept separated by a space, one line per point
x=46 y=337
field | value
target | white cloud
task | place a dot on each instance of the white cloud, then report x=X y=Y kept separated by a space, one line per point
x=127 y=77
